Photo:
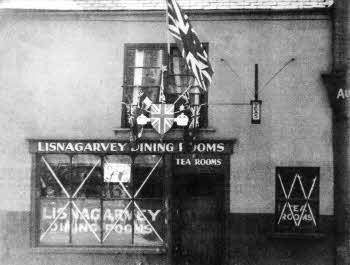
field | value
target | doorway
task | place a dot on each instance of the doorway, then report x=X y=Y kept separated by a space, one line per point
x=198 y=212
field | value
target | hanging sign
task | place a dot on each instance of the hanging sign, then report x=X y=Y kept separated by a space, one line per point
x=256 y=111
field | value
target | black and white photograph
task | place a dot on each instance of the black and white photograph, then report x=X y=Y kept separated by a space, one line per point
x=174 y=132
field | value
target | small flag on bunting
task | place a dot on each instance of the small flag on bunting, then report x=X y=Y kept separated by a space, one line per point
x=195 y=116
x=133 y=111
x=189 y=45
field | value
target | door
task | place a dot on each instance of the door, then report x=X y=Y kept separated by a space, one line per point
x=198 y=216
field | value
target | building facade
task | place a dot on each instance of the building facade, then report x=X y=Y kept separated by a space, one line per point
x=75 y=189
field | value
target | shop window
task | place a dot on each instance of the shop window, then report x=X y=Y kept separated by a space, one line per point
x=297 y=199
x=110 y=200
x=142 y=78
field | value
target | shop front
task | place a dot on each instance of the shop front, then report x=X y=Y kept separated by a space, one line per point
x=152 y=197
x=111 y=173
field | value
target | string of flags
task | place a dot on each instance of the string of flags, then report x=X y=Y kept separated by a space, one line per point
x=161 y=116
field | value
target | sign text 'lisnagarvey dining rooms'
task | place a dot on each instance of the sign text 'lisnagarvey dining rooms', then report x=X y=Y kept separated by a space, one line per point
x=85 y=146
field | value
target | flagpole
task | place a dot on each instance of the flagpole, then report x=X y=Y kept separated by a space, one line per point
x=188 y=88
x=167 y=26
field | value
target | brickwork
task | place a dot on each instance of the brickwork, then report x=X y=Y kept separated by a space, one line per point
x=159 y=4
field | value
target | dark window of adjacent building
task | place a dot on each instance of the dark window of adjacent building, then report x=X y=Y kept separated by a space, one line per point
x=109 y=200
x=297 y=199
x=142 y=74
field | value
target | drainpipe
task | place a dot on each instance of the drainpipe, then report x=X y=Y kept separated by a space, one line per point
x=335 y=82
x=337 y=85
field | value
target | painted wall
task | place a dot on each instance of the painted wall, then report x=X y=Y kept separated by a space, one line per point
x=61 y=77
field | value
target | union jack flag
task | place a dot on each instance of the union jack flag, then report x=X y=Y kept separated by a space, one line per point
x=195 y=115
x=135 y=130
x=189 y=45
x=184 y=101
x=131 y=111
x=162 y=117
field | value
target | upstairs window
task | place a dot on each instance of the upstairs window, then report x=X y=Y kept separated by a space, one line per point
x=143 y=74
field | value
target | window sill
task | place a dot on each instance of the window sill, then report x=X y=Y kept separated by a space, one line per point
x=99 y=250
x=297 y=235
x=122 y=133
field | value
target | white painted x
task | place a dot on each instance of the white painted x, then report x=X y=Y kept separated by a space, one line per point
x=69 y=197
x=135 y=204
x=306 y=197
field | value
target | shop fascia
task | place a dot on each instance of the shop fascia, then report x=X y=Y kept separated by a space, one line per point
x=87 y=146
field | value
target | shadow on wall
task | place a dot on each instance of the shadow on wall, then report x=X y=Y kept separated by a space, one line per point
x=250 y=242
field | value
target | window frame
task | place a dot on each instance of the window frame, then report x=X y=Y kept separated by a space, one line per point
x=98 y=247
x=166 y=61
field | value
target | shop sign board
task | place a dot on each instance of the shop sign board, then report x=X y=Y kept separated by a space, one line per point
x=338 y=95
x=119 y=147
x=199 y=161
x=297 y=199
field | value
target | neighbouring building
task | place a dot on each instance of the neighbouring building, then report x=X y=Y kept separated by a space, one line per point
x=75 y=189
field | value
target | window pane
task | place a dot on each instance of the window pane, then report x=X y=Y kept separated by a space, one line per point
x=178 y=65
x=152 y=57
x=54 y=221
x=144 y=57
x=54 y=175
x=86 y=222
x=148 y=178
x=179 y=83
x=117 y=222
x=143 y=76
x=86 y=176
x=149 y=222
x=179 y=74
x=130 y=57
x=132 y=93
x=144 y=70
x=117 y=177
x=130 y=76
x=129 y=95
x=151 y=77
x=152 y=93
